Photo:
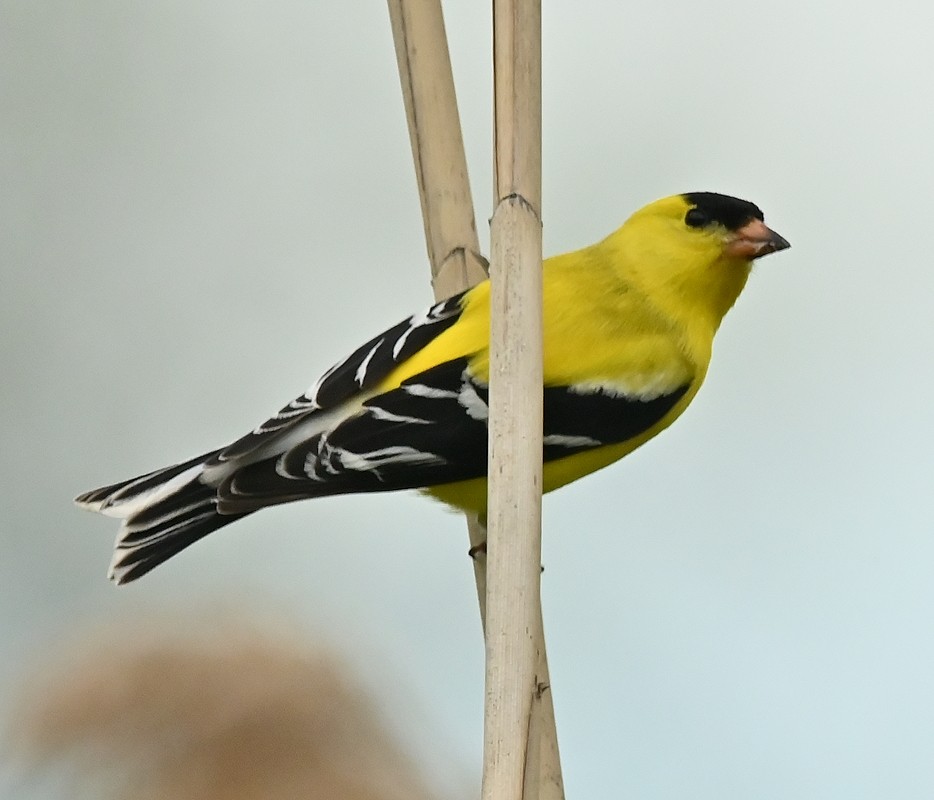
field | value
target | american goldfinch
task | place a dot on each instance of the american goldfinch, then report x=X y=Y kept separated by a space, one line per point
x=628 y=329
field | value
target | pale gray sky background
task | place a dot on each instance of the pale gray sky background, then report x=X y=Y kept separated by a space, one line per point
x=741 y=609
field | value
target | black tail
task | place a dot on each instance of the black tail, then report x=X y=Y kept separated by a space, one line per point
x=163 y=512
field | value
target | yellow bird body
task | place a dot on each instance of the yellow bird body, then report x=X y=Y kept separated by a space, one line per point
x=629 y=324
x=651 y=330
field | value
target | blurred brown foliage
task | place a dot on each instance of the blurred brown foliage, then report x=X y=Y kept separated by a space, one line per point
x=238 y=713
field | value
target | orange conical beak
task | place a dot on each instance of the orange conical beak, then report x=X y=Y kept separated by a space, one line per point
x=754 y=240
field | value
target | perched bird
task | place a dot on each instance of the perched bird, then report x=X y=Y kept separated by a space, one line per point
x=628 y=329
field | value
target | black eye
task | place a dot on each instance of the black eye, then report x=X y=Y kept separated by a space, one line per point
x=696 y=218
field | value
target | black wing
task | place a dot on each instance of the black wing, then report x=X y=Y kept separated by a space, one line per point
x=578 y=420
x=360 y=371
x=432 y=430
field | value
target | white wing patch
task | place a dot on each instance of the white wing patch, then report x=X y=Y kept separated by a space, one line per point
x=562 y=440
x=329 y=460
x=473 y=404
x=387 y=416
x=467 y=396
x=372 y=461
x=644 y=386
x=360 y=374
x=436 y=313
x=420 y=390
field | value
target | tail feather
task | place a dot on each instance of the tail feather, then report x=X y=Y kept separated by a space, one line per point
x=132 y=560
x=163 y=512
x=159 y=515
x=123 y=499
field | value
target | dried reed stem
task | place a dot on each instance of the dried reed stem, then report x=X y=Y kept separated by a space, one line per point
x=520 y=745
x=441 y=172
x=456 y=263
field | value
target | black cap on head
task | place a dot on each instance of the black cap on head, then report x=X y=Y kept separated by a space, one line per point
x=728 y=211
